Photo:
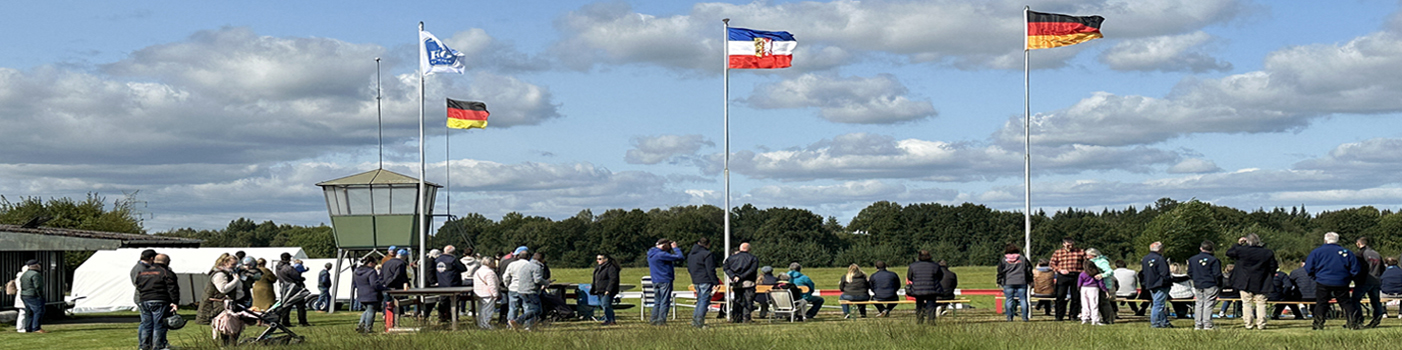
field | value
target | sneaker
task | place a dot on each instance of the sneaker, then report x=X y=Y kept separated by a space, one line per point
x=847 y=316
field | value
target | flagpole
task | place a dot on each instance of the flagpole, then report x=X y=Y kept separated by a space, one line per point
x=379 y=113
x=1026 y=147
x=423 y=171
x=725 y=51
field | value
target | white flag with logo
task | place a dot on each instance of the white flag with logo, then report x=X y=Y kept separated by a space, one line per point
x=436 y=57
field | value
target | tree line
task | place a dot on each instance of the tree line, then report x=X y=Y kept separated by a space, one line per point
x=965 y=234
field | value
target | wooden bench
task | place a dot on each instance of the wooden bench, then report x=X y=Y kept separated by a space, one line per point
x=905 y=301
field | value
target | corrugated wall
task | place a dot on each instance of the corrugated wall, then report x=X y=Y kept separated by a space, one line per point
x=54 y=271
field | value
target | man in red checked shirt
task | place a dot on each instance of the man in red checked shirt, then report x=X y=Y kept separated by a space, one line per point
x=1067 y=264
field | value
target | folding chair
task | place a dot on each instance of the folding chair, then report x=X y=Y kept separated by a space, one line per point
x=783 y=304
x=649 y=299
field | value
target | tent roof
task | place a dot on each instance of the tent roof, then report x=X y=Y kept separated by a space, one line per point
x=375 y=177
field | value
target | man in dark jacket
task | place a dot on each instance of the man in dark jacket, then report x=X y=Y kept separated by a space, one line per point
x=1206 y=272
x=449 y=272
x=292 y=283
x=1255 y=267
x=606 y=286
x=159 y=292
x=1157 y=280
x=702 y=266
x=924 y=276
x=323 y=285
x=1304 y=288
x=368 y=288
x=884 y=285
x=1368 y=283
x=1332 y=267
x=142 y=264
x=1282 y=289
x=742 y=269
x=948 y=283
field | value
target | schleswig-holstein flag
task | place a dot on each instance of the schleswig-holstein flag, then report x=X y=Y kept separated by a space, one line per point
x=436 y=57
x=759 y=49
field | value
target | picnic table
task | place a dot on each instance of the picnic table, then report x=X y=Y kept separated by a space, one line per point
x=452 y=293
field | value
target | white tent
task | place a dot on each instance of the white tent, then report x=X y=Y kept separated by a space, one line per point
x=104 y=281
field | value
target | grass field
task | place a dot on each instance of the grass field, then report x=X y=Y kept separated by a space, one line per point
x=970 y=329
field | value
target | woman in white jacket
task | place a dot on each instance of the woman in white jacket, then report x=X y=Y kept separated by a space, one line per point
x=19 y=303
x=487 y=287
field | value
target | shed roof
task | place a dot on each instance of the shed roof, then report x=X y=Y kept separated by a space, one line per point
x=20 y=238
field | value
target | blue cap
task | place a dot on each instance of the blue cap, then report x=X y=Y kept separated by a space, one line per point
x=393 y=248
x=403 y=252
x=248 y=260
x=521 y=249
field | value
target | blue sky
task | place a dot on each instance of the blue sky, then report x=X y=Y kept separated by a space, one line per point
x=215 y=111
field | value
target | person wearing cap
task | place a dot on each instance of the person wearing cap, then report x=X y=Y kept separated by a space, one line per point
x=659 y=263
x=159 y=292
x=766 y=278
x=394 y=275
x=511 y=310
x=292 y=283
x=323 y=285
x=247 y=273
x=22 y=319
x=814 y=302
x=32 y=292
x=368 y=288
x=524 y=279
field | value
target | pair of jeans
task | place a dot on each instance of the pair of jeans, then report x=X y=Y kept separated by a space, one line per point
x=1067 y=292
x=661 y=301
x=35 y=306
x=513 y=305
x=815 y=303
x=530 y=308
x=1018 y=291
x=703 y=304
x=1205 y=301
x=151 y=334
x=606 y=304
x=1373 y=292
x=367 y=318
x=1158 y=311
x=847 y=309
x=324 y=299
x=486 y=308
x=1255 y=307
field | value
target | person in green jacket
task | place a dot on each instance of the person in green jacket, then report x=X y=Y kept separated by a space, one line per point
x=32 y=292
x=1107 y=300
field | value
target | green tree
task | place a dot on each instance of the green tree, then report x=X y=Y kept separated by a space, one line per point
x=1181 y=229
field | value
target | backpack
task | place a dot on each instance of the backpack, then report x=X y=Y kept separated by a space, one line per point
x=11 y=287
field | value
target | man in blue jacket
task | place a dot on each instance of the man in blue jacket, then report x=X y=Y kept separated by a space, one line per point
x=1157 y=280
x=449 y=270
x=1206 y=272
x=1332 y=267
x=659 y=263
x=701 y=264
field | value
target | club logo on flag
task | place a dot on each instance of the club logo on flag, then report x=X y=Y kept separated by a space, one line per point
x=758 y=49
x=764 y=47
x=436 y=57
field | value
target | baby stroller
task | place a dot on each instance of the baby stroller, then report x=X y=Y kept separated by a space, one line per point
x=277 y=333
x=553 y=308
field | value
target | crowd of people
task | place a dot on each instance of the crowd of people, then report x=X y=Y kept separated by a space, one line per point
x=1081 y=282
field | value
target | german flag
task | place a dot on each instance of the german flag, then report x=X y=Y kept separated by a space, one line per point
x=1048 y=30
x=467 y=114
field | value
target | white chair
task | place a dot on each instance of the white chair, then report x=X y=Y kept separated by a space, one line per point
x=783 y=304
x=649 y=299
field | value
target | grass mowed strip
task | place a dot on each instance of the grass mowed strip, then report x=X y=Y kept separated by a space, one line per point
x=977 y=328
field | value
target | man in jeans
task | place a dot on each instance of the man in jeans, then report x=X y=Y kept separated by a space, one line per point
x=159 y=293
x=32 y=293
x=1206 y=272
x=659 y=264
x=526 y=278
x=702 y=266
x=1157 y=280
x=323 y=284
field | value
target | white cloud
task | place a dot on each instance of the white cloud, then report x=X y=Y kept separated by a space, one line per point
x=1297 y=85
x=969 y=35
x=877 y=100
x=673 y=148
x=485 y=52
x=867 y=156
x=1171 y=53
x=1194 y=166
